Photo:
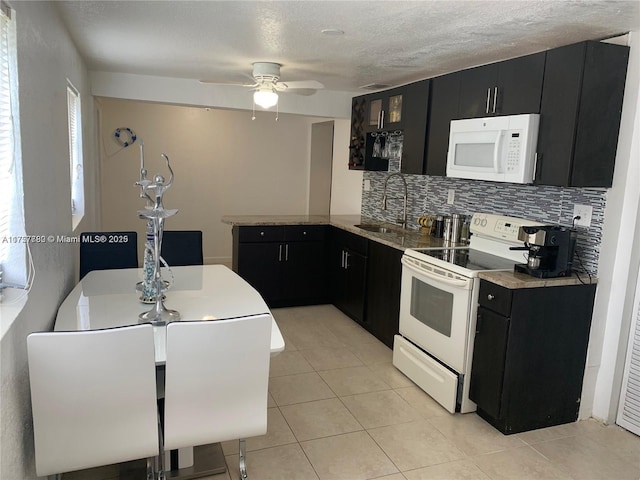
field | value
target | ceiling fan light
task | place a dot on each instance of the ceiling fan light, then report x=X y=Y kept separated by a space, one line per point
x=265 y=98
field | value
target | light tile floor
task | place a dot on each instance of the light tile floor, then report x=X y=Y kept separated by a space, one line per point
x=338 y=409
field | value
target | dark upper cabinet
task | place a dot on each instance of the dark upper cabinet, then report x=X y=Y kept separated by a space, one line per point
x=443 y=108
x=510 y=87
x=476 y=91
x=580 y=114
x=377 y=115
x=520 y=83
x=357 y=139
x=577 y=90
x=506 y=88
x=415 y=112
x=385 y=110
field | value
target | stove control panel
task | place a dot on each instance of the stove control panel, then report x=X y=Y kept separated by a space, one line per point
x=499 y=226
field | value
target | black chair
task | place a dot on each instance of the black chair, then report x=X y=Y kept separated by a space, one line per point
x=107 y=250
x=182 y=247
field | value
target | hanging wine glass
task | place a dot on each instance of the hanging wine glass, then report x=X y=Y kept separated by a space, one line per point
x=385 y=147
x=377 y=147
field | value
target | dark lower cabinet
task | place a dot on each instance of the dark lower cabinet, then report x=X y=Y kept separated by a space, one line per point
x=260 y=264
x=286 y=264
x=305 y=265
x=529 y=354
x=383 y=291
x=348 y=270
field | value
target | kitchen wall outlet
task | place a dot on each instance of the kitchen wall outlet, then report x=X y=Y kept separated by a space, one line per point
x=584 y=212
x=366 y=185
x=451 y=196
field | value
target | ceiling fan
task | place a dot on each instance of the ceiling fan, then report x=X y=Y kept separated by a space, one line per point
x=267 y=84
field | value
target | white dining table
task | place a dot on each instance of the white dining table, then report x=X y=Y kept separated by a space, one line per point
x=108 y=298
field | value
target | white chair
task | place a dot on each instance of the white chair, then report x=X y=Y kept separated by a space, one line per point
x=93 y=397
x=217 y=375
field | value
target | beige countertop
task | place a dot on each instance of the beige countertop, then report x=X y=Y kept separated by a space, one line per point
x=395 y=236
x=516 y=280
x=400 y=238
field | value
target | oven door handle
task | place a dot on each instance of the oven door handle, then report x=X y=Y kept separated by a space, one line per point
x=455 y=282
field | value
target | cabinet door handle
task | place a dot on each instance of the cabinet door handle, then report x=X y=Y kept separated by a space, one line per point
x=379 y=119
x=490 y=297
x=280 y=252
x=286 y=252
x=486 y=110
x=382 y=119
x=342 y=259
x=346 y=260
x=495 y=98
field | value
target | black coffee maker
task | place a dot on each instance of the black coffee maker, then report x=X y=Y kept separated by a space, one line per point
x=551 y=249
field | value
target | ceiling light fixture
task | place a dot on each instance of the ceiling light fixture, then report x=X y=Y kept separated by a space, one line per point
x=265 y=97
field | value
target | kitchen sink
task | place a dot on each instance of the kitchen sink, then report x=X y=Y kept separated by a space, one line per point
x=376 y=228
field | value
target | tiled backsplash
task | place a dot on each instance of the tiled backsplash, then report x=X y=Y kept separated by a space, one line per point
x=546 y=204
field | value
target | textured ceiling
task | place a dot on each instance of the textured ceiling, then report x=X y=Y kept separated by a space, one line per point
x=389 y=42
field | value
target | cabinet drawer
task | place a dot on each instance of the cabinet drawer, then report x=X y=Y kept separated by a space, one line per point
x=427 y=373
x=302 y=233
x=496 y=298
x=261 y=234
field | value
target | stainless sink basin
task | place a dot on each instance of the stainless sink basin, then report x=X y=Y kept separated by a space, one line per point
x=376 y=228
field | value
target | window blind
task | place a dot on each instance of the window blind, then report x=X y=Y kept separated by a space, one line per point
x=12 y=248
x=629 y=407
x=75 y=154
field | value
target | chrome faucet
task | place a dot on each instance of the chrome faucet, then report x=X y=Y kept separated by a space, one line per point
x=402 y=221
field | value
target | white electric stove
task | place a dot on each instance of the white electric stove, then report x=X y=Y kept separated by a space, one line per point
x=438 y=307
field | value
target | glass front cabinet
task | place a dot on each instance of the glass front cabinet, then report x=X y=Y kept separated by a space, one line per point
x=384 y=110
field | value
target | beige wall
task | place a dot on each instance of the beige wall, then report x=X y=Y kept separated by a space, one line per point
x=320 y=168
x=224 y=164
x=346 y=185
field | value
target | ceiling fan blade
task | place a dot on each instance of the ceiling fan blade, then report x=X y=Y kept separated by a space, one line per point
x=248 y=81
x=303 y=91
x=303 y=84
x=206 y=81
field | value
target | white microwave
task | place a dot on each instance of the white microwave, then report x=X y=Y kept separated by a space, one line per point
x=499 y=149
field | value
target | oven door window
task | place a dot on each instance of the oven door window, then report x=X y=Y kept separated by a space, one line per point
x=431 y=306
x=435 y=313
